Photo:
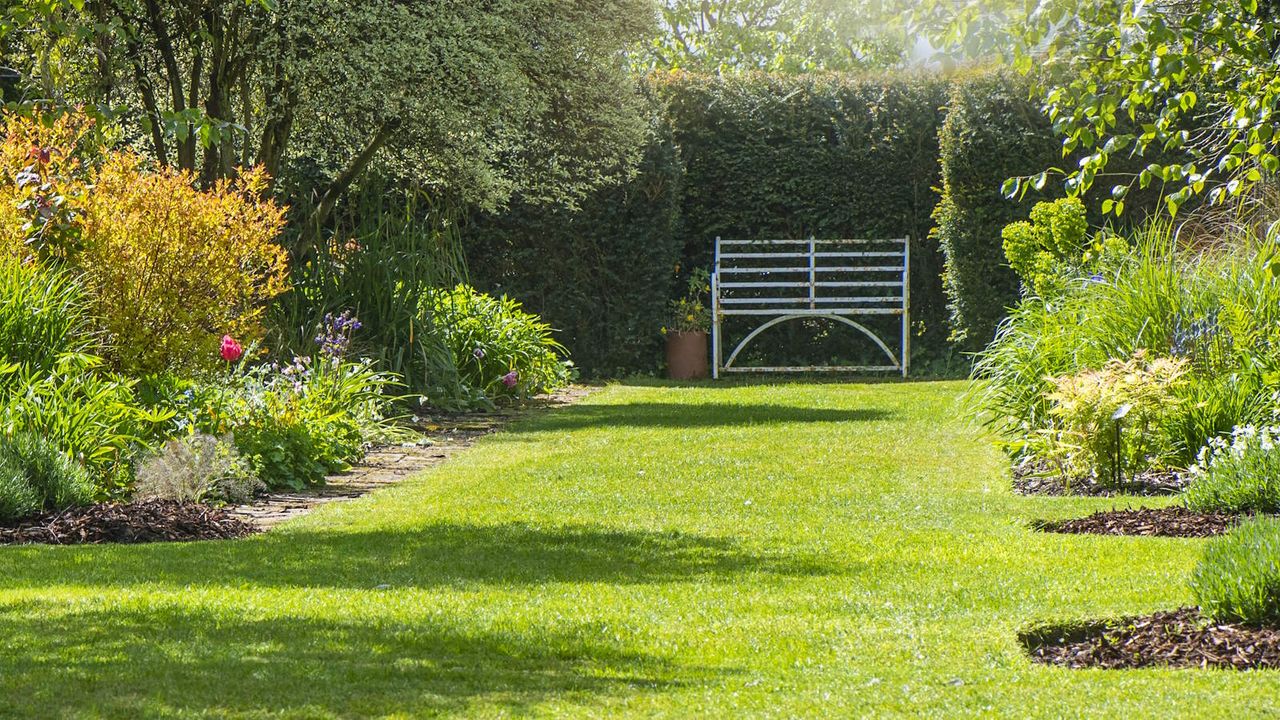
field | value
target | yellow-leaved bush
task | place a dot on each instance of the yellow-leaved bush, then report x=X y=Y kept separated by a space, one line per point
x=44 y=177
x=172 y=268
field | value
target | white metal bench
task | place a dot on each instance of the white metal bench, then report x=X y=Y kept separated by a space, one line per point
x=781 y=280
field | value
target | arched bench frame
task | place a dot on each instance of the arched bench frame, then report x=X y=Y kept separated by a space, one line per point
x=784 y=280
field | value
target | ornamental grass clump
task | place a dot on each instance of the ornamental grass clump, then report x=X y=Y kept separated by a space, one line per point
x=1237 y=475
x=1238 y=579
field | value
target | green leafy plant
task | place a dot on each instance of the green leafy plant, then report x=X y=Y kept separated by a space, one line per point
x=690 y=312
x=1046 y=251
x=298 y=423
x=497 y=347
x=1238 y=579
x=1113 y=415
x=35 y=476
x=1240 y=475
x=91 y=415
x=43 y=315
x=1214 y=308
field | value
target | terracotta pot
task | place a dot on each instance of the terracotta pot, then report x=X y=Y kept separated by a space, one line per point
x=687 y=357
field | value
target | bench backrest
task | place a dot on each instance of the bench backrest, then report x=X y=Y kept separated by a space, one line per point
x=811 y=277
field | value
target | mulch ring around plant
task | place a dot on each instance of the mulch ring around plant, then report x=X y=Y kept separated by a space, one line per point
x=1151 y=522
x=1034 y=479
x=1177 y=638
x=137 y=522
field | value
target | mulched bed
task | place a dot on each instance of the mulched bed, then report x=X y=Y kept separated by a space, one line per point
x=1161 y=522
x=1034 y=479
x=1177 y=638
x=138 y=522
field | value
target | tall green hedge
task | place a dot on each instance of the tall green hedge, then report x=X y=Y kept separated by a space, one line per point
x=603 y=274
x=994 y=131
x=828 y=155
x=758 y=155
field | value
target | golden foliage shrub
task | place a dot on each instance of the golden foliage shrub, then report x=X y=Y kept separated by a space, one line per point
x=171 y=269
x=44 y=177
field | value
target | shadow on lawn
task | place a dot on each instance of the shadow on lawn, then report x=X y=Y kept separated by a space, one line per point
x=424 y=556
x=692 y=415
x=62 y=660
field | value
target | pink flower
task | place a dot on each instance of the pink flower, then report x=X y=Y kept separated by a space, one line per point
x=510 y=379
x=231 y=350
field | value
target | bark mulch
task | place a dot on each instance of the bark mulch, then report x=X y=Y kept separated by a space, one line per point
x=136 y=522
x=1177 y=638
x=1152 y=522
x=1035 y=479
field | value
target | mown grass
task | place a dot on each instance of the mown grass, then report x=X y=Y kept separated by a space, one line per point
x=818 y=550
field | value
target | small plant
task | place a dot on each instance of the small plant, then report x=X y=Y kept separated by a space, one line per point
x=690 y=313
x=1109 y=420
x=1240 y=475
x=498 y=348
x=43 y=315
x=197 y=468
x=1053 y=241
x=1238 y=579
x=36 y=477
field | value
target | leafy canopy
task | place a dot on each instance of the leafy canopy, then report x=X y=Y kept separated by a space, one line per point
x=1194 y=77
x=774 y=35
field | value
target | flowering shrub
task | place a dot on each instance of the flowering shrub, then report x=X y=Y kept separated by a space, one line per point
x=297 y=423
x=498 y=348
x=1085 y=405
x=1237 y=475
x=172 y=268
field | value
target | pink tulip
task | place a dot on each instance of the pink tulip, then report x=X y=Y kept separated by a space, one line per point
x=510 y=379
x=231 y=350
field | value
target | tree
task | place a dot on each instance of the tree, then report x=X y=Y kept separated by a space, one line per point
x=479 y=99
x=1194 y=77
x=773 y=35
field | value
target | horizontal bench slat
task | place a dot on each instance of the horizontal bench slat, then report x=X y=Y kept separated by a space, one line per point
x=805 y=269
x=781 y=311
x=838 y=241
x=818 y=283
x=821 y=254
x=813 y=368
x=783 y=301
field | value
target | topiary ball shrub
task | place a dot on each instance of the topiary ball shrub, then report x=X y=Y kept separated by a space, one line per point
x=35 y=477
x=1238 y=579
x=1242 y=475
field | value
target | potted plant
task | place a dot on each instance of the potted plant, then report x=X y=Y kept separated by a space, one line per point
x=686 y=332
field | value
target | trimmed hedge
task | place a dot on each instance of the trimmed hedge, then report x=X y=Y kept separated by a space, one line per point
x=759 y=155
x=994 y=131
x=602 y=275
x=828 y=155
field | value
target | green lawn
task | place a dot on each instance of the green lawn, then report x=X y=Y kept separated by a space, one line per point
x=808 y=550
